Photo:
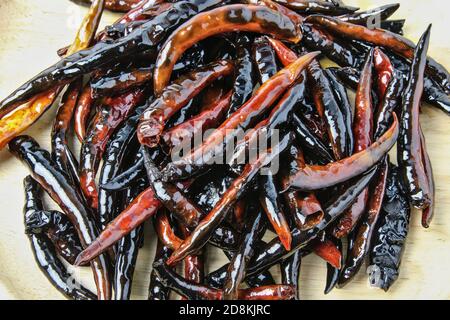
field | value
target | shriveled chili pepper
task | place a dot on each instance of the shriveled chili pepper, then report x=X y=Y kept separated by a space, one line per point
x=116 y=5
x=244 y=81
x=384 y=70
x=395 y=26
x=195 y=291
x=314 y=177
x=264 y=58
x=332 y=271
x=253 y=231
x=124 y=179
x=290 y=272
x=410 y=157
x=382 y=38
x=428 y=213
x=389 y=237
x=82 y=112
x=56 y=184
x=363 y=134
x=109 y=117
x=196 y=160
x=156 y=289
x=61 y=154
x=327 y=250
x=317 y=6
x=371 y=16
x=224 y=19
x=203 y=231
x=274 y=251
x=194 y=268
x=86 y=61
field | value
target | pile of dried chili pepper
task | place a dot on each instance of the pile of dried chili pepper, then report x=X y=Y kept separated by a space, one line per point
x=218 y=121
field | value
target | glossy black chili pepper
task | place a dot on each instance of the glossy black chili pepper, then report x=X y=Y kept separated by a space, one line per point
x=317 y=6
x=371 y=16
x=156 y=289
x=44 y=251
x=290 y=271
x=395 y=26
x=127 y=177
x=264 y=58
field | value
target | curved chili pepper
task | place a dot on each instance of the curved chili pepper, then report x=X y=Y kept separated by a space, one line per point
x=127 y=177
x=428 y=213
x=395 y=26
x=290 y=271
x=268 y=93
x=194 y=269
x=52 y=224
x=61 y=154
x=314 y=177
x=333 y=272
x=216 y=279
x=86 y=61
x=116 y=5
x=203 y=231
x=156 y=289
x=365 y=17
x=389 y=237
x=108 y=118
x=165 y=232
x=224 y=19
x=264 y=58
x=317 y=6
x=274 y=251
x=360 y=239
x=384 y=69
x=327 y=250
x=253 y=231
x=123 y=81
x=82 y=112
x=209 y=118
x=244 y=74
x=382 y=38
x=193 y=291
x=115 y=153
x=363 y=135
x=410 y=156
x=56 y=184
x=176 y=96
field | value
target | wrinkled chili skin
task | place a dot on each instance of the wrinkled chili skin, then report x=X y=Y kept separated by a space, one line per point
x=174 y=97
x=228 y=18
x=63 y=193
x=389 y=236
x=317 y=6
x=146 y=37
x=264 y=58
x=244 y=80
x=156 y=289
x=290 y=271
x=409 y=154
x=196 y=161
x=274 y=251
x=395 y=26
x=203 y=231
x=365 y=17
x=383 y=38
x=107 y=119
x=127 y=177
x=333 y=272
x=253 y=232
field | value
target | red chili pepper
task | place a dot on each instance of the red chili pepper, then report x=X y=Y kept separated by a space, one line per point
x=384 y=70
x=82 y=112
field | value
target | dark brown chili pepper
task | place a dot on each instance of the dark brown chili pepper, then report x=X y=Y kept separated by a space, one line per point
x=196 y=160
x=82 y=112
x=274 y=251
x=174 y=97
x=156 y=289
x=244 y=74
x=395 y=26
x=253 y=231
x=141 y=39
x=228 y=18
x=314 y=177
x=317 y=6
x=203 y=231
x=382 y=38
x=371 y=16
x=384 y=70
x=56 y=184
x=116 y=5
x=428 y=213
x=193 y=291
x=389 y=237
x=264 y=58
x=332 y=271
x=194 y=268
x=52 y=224
x=109 y=117
x=360 y=238
x=410 y=156
x=290 y=271
x=61 y=154
x=127 y=177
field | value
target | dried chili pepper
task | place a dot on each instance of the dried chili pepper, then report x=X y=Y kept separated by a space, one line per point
x=156 y=289
x=224 y=19
x=384 y=69
x=389 y=237
x=314 y=177
x=372 y=15
x=395 y=26
x=428 y=213
x=382 y=38
x=290 y=271
x=56 y=184
x=116 y=5
x=264 y=58
x=317 y=6
x=196 y=160
x=82 y=112
x=333 y=272
x=124 y=179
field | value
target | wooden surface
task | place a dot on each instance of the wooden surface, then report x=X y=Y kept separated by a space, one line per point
x=30 y=33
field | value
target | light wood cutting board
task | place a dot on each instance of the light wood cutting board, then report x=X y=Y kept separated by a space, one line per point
x=30 y=33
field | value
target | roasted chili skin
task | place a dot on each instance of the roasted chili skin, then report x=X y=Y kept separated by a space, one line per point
x=228 y=18
x=57 y=185
x=75 y=65
x=410 y=157
x=389 y=237
x=121 y=81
